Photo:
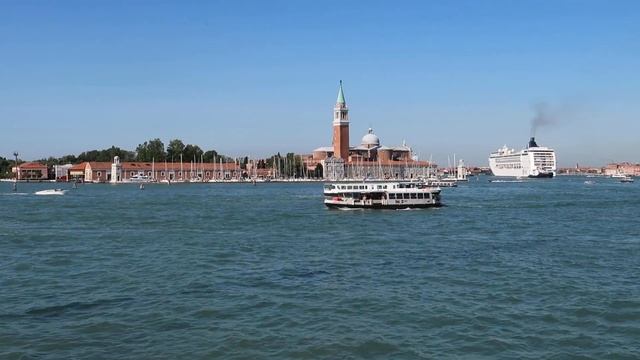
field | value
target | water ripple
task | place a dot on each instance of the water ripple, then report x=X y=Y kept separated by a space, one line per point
x=519 y=270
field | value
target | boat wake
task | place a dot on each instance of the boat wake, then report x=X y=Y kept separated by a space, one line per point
x=14 y=193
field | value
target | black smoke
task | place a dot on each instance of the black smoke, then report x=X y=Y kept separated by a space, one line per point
x=544 y=115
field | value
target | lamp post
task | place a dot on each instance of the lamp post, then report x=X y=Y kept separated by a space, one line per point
x=15 y=183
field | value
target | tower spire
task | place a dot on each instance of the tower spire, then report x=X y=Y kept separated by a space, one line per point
x=340 y=95
x=341 y=127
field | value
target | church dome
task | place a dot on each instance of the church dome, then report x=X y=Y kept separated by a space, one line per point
x=370 y=139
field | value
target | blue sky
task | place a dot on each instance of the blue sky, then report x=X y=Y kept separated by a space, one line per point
x=257 y=77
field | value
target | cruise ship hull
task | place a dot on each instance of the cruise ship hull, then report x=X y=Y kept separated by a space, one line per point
x=542 y=176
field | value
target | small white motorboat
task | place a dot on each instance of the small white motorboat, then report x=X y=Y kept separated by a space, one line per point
x=51 y=192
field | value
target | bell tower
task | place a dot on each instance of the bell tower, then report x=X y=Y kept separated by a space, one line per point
x=341 y=127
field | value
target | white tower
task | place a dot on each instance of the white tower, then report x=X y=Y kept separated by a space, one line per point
x=116 y=170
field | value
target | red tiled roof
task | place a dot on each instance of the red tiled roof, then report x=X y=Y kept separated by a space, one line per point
x=100 y=165
x=32 y=165
x=78 y=167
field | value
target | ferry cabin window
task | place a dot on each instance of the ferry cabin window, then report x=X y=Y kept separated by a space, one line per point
x=414 y=195
x=406 y=196
x=392 y=196
x=420 y=196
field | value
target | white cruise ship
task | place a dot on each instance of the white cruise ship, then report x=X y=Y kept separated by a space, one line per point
x=534 y=161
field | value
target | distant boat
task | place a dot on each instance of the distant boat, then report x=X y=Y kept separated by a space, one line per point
x=626 y=179
x=139 y=178
x=444 y=182
x=51 y=192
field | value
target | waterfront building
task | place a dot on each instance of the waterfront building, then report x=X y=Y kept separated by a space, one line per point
x=118 y=171
x=76 y=172
x=369 y=159
x=624 y=168
x=31 y=171
x=61 y=172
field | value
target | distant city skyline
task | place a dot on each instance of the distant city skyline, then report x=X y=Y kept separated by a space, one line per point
x=252 y=78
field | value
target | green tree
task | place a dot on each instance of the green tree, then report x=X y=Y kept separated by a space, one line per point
x=210 y=155
x=105 y=155
x=5 y=168
x=174 y=149
x=90 y=155
x=191 y=153
x=151 y=150
x=124 y=155
x=68 y=159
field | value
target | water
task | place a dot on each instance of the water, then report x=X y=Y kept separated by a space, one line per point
x=539 y=269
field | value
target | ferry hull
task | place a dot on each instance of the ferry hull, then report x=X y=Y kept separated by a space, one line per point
x=380 y=206
x=381 y=195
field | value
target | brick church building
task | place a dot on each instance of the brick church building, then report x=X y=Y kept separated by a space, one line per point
x=369 y=159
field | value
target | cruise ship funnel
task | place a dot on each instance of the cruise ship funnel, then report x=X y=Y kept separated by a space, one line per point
x=532 y=142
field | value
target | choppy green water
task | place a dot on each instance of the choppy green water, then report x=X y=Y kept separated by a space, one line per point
x=540 y=269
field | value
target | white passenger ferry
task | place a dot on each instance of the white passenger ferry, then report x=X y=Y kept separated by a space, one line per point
x=534 y=162
x=381 y=195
